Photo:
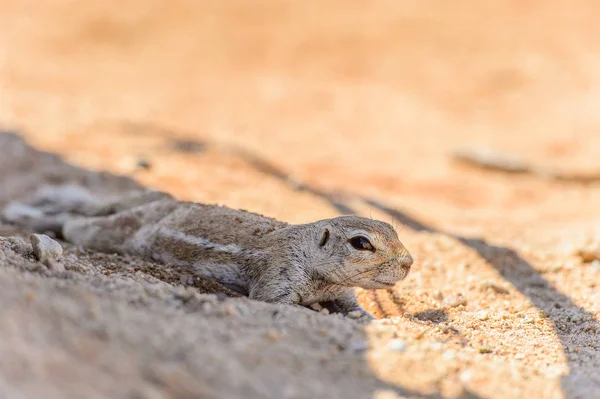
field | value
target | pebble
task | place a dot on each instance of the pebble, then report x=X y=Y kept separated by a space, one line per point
x=455 y=300
x=485 y=349
x=397 y=345
x=482 y=315
x=45 y=248
x=596 y=265
x=520 y=356
x=355 y=314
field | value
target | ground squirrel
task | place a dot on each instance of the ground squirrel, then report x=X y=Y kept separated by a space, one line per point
x=265 y=259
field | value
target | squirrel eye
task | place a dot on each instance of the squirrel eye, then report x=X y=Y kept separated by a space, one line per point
x=362 y=244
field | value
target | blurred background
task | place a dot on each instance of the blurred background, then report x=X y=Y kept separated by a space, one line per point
x=243 y=102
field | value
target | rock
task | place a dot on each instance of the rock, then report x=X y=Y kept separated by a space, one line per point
x=455 y=300
x=482 y=315
x=45 y=248
x=355 y=314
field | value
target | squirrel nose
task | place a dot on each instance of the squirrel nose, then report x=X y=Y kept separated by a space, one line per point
x=406 y=260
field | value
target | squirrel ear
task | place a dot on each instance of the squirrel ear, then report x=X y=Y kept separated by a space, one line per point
x=324 y=237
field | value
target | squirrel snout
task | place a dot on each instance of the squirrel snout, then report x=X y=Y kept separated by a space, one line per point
x=406 y=260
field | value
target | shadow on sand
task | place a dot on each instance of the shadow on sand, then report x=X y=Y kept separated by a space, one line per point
x=31 y=168
x=519 y=272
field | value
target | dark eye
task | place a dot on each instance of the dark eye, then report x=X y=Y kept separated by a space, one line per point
x=362 y=244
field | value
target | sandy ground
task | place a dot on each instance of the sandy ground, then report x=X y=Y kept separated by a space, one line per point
x=301 y=111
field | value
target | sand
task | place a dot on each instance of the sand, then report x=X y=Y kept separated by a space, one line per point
x=303 y=111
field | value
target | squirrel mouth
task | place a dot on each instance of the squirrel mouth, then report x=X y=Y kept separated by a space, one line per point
x=386 y=283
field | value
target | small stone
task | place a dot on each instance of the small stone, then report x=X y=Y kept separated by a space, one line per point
x=520 y=356
x=324 y=311
x=355 y=314
x=485 y=349
x=437 y=295
x=45 y=248
x=397 y=345
x=482 y=315
x=528 y=320
x=455 y=300
x=596 y=265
